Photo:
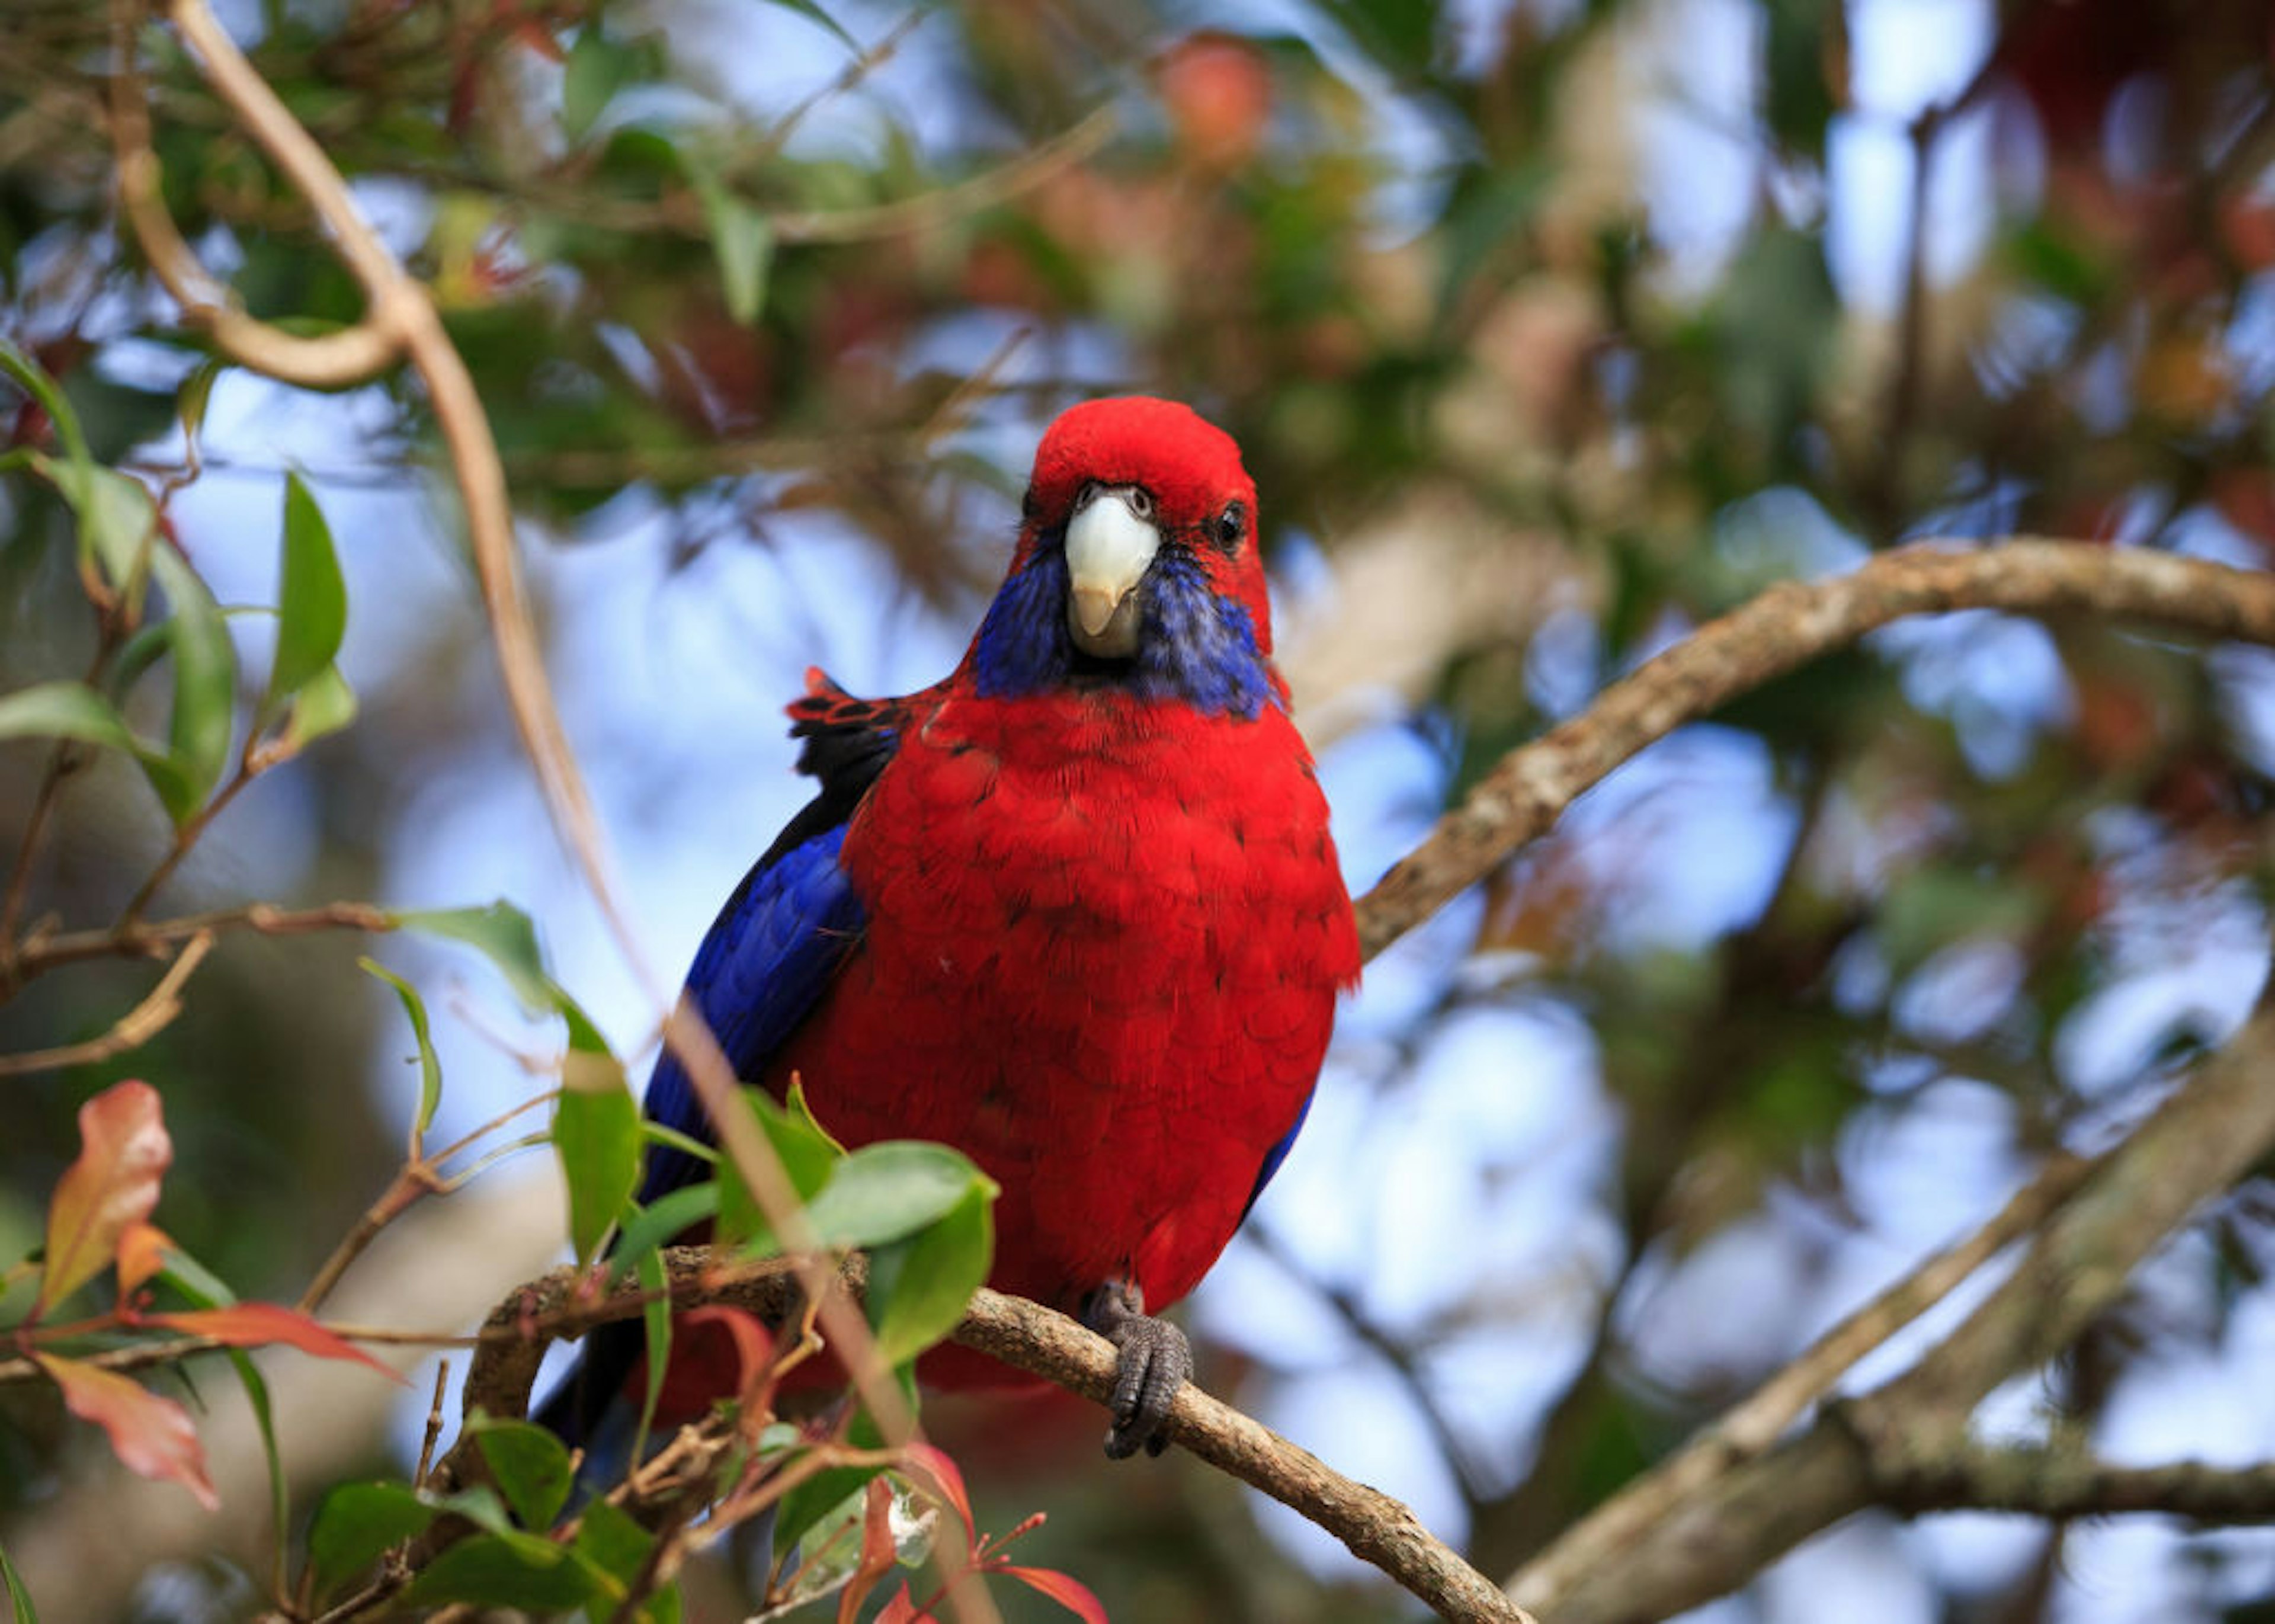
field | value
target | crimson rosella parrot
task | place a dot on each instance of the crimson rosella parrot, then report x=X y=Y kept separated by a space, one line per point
x=1073 y=911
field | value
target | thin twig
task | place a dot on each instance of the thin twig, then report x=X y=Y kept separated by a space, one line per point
x=969 y=197
x=1403 y=1363
x=186 y=835
x=154 y=938
x=61 y=758
x=332 y=361
x=1752 y=1425
x=433 y=1424
x=64 y=758
x=130 y=1030
x=412 y=1181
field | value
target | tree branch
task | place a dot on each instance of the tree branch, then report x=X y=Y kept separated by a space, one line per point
x=1029 y=1337
x=156 y=1013
x=2041 y=1482
x=1782 y=629
x=2198 y=1143
x=1755 y=1424
x=155 y=939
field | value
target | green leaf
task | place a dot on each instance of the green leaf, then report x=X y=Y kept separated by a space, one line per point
x=814 y=14
x=205 y=676
x=117 y=522
x=355 y=1523
x=884 y=1191
x=502 y=933
x=430 y=1068
x=808 y=1504
x=612 y=1545
x=19 y=1599
x=531 y=1467
x=807 y=1154
x=32 y=379
x=801 y=1110
x=656 y=1224
x=264 y=1420
x=1805 y=48
x=324 y=706
x=742 y=241
x=1399 y=34
x=196 y=393
x=598 y=67
x=73 y=710
x=501 y=1570
x=655 y=1322
x=830 y=1551
x=481 y=1506
x=202 y=1288
x=671 y=1138
x=919 y=1286
x=63 y=709
x=134 y=659
x=596 y=1133
x=199 y=1284
x=312 y=598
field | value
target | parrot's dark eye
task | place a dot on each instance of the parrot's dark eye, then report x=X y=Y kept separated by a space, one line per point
x=1141 y=502
x=1230 y=525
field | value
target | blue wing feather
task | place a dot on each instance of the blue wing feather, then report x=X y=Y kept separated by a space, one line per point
x=763 y=966
x=1277 y=1154
x=765 y=963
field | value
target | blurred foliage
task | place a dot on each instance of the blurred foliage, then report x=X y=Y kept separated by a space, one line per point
x=1555 y=275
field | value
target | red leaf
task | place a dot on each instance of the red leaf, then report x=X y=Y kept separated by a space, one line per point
x=1071 y=1593
x=255 y=1325
x=142 y=1249
x=939 y=1476
x=754 y=1349
x=901 y=1610
x=124 y=1154
x=150 y=1435
x=876 y=1551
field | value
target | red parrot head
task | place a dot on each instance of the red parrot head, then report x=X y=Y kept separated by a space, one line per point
x=1137 y=566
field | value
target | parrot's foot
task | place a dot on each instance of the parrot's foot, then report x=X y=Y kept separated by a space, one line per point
x=1156 y=1360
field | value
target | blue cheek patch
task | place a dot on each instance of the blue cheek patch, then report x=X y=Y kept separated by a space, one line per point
x=1024 y=645
x=1198 y=646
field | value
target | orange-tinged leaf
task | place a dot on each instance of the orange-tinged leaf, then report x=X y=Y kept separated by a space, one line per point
x=123 y=1154
x=255 y=1325
x=150 y=1435
x=901 y=1610
x=939 y=1476
x=1071 y=1593
x=142 y=1249
x=877 y=1551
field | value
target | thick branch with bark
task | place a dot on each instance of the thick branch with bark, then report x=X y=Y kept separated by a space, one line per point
x=2058 y=1483
x=1777 y=633
x=1029 y=1337
x=2200 y=1141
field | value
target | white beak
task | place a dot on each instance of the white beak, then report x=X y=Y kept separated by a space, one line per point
x=1107 y=549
